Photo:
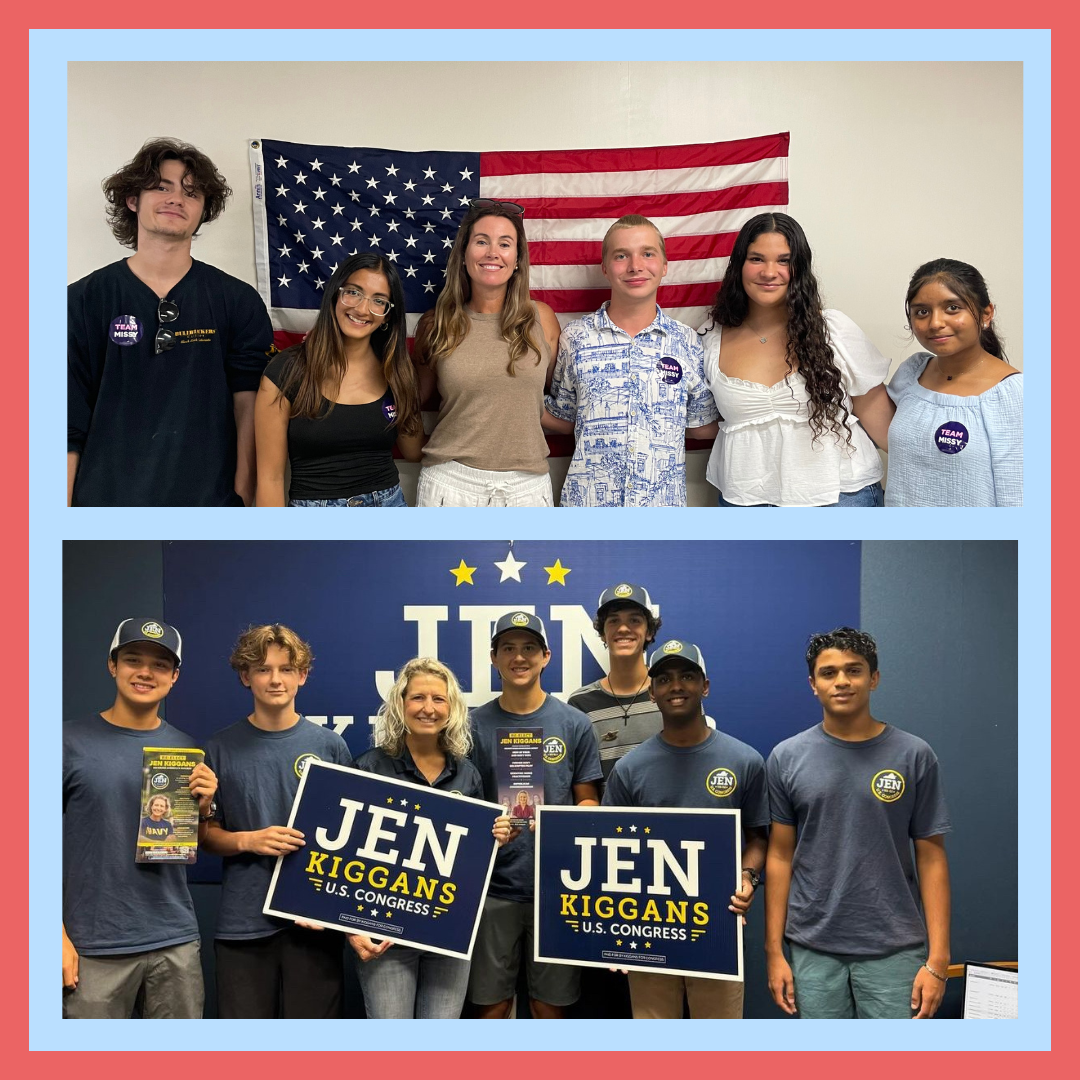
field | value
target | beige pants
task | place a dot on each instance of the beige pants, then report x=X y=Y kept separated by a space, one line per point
x=660 y=997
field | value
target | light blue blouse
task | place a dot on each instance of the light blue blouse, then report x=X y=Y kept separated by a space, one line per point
x=946 y=450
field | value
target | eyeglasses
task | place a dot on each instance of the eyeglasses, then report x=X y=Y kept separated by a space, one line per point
x=352 y=297
x=165 y=339
x=501 y=207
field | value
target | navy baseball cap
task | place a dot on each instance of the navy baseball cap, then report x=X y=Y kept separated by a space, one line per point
x=520 y=620
x=624 y=593
x=151 y=630
x=676 y=650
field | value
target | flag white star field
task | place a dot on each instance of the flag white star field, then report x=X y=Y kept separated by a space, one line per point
x=316 y=205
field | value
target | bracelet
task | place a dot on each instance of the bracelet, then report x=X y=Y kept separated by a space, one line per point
x=940 y=978
x=205 y=819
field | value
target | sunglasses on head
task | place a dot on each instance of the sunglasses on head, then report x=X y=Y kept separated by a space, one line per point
x=165 y=339
x=498 y=206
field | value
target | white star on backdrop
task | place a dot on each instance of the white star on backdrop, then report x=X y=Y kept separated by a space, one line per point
x=510 y=567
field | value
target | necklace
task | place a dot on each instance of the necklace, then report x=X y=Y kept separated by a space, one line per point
x=967 y=371
x=761 y=337
x=625 y=709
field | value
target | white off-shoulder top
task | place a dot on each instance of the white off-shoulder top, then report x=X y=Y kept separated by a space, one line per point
x=766 y=453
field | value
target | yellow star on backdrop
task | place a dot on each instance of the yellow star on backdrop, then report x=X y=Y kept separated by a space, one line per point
x=557 y=573
x=463 y=574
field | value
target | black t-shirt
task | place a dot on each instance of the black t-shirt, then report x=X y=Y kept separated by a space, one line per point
x=159 y=430
x=345 y=452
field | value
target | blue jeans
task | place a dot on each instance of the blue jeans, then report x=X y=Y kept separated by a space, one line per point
x=387 y=497
x=871 y=495
x=407 y=984
x=834 y=986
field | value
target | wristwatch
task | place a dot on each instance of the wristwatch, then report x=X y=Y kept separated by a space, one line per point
x=754 y=876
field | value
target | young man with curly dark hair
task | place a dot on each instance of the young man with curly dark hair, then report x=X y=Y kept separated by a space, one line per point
x=856 y=878
x=164 y=353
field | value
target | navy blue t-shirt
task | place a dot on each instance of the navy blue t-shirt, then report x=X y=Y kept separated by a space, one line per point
x=158 y=430
x=573 y=759
x=112 y=904
x=258 y=773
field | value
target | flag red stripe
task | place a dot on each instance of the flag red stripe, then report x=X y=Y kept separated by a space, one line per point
x=665 y=204
x=634 y=159
x=588 y=252
x=699 y=294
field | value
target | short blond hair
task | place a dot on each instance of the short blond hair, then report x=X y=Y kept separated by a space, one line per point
x=455 y=739
x=631 y=221
x=254 y=643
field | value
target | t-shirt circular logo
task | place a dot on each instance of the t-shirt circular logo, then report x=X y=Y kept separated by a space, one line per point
x=670 y=369
x=721 y=783
x=554 y=750
x=951 y=438
x=151 y=629
x=520 y=619
x=672 y=647
x=887 y=785
x=125 y=330
x=390 y=412
x=622 y=591
x=159 y=780
x=303 y=761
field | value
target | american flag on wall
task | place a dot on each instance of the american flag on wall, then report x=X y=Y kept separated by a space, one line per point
x=315 y=205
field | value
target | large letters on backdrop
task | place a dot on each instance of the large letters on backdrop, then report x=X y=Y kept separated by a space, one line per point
x=641 y=889
x=386 y=858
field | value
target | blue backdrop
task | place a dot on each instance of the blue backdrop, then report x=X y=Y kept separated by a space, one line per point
x=367 y=607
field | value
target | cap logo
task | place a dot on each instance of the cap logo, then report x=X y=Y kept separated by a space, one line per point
x=520 y=619
x=673 y=647
x=151 y=629
x=623 y=590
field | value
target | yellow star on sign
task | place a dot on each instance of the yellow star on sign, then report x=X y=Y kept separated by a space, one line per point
x=647 y=829
x=416 y=806
x=463 y=574
x=557 y=573
x=648 y=944
x=618 y=828
x=389 y=798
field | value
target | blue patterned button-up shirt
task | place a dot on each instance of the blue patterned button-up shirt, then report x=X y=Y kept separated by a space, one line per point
x=631 y=400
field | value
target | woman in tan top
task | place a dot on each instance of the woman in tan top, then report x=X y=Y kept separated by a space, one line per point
x=490 y=350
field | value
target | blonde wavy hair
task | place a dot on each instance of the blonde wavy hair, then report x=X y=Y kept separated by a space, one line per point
x=441 y=330
x=455 y=739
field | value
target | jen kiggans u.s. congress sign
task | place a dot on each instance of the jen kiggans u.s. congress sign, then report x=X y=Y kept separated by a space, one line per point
x=385 y=858
x=641 y=889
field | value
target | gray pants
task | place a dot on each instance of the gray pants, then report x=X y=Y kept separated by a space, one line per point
x=170 y=979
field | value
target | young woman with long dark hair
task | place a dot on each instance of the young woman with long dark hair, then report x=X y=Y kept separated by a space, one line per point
x=957 y=438
x=335 y=405
x=490 y=350
x=799 y=388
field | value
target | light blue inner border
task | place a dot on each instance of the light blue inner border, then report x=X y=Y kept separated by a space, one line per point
x=50 y=523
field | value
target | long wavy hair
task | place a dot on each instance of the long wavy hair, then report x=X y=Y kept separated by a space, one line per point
x=455 y=739
x=143 y=171
x=808 y=346
x=969 y=286
x=320 y=358
x=443 y=329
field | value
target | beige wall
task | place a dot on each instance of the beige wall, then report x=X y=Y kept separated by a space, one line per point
x=891 y=163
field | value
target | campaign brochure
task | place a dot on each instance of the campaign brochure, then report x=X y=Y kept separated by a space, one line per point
x=519 y=772
x=168 y=812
